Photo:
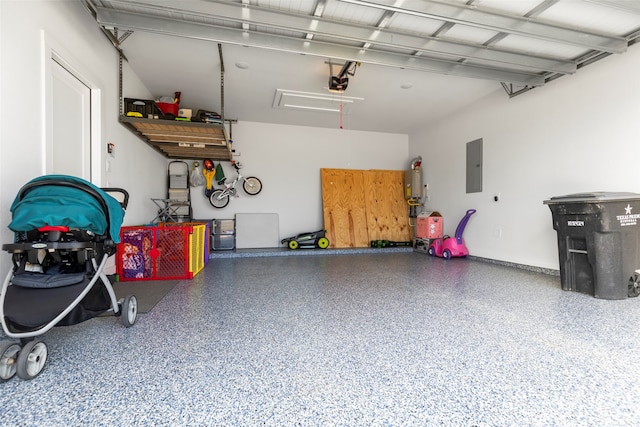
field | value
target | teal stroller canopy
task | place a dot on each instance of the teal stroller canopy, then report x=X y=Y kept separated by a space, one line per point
x=62 y=200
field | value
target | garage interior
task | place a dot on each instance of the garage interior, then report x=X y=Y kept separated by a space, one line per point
x=519 y=46
x=353 y=335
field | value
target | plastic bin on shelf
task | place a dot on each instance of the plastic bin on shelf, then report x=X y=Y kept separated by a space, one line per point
x=146 y=107
x=598 y=238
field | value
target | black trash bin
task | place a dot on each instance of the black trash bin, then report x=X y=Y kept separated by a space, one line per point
x=598 y=238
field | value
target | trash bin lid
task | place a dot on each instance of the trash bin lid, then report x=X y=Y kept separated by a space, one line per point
x=594 y=197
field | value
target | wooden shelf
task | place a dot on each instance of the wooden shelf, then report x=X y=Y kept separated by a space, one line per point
x=182 y=140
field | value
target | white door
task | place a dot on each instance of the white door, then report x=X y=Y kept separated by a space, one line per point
x=70 y=150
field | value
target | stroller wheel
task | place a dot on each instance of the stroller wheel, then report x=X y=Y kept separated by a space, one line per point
x=31 y=360
x=8 y=358
x=129 y=310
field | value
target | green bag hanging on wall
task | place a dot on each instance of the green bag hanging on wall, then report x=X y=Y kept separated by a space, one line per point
x=219 y=173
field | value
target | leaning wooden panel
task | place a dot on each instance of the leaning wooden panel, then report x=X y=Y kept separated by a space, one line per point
x=344 y=208
x=387 y=209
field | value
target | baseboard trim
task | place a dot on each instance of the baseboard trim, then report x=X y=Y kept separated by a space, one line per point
x=535 y=269
x=252 y=253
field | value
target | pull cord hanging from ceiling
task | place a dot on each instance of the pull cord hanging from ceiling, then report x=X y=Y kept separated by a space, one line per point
x=341 y=92
x=340 y=82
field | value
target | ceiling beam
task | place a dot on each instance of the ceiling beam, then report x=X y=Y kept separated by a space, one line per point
x=143 y=22
x=318 y=10
x=632 y=6
x=546 y=4
x=474 y=17
x=196 y=11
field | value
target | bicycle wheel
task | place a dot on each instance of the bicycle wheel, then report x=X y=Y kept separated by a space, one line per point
x=252 y=185
x=217 y=199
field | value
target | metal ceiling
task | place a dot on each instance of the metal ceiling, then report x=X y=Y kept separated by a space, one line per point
x=521 y=44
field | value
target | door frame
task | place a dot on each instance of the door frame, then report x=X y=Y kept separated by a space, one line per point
x=52 y=50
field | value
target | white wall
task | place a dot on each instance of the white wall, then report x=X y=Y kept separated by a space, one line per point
x=26 y=29
x=579 y=133
x=288 y=159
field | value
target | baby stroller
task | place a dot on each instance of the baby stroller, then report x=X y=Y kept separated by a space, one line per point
x=65 y=229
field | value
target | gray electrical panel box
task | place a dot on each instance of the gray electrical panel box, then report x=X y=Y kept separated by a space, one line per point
x=474 y=166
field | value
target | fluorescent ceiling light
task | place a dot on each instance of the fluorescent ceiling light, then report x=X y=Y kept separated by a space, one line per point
x=310 y=101
x=319 y=96
x=306 y=107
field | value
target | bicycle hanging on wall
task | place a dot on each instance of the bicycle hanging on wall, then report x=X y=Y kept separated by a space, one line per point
x=220 y=197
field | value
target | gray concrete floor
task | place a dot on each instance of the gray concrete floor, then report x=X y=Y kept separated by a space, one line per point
x=364 y=339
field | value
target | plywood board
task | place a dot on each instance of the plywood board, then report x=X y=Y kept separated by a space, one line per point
x=344 y=208
x=387 y=210
x=360 y=206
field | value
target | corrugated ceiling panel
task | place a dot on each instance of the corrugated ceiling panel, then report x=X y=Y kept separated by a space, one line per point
x=468 y=34
x=139 y=9
x=176 y=14
x=592 y=17
x=414 y=24
x=296 y=6
x=347 y=12
x=517 y=8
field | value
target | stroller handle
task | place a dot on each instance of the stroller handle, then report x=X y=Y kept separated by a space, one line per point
x=124 y=195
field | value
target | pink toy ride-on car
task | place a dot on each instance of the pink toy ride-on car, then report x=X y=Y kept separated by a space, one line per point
x=449 y=247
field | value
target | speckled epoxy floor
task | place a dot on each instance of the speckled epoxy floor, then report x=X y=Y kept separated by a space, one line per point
x=347 y=340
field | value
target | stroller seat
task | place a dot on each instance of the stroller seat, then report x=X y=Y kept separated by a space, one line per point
x=65 y=229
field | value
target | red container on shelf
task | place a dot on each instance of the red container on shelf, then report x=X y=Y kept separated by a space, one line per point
x=169 y=108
